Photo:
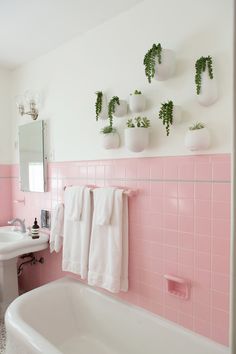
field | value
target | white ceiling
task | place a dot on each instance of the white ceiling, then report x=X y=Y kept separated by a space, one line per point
x=30 y=28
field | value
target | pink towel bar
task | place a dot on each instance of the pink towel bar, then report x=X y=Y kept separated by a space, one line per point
x=127 y=191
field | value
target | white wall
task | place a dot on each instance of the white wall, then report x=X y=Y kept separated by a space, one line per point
x=109 y=58
x=5 y=118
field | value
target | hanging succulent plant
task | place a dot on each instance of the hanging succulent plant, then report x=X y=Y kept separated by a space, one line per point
x=98 y=103
x=111 y=108
x=166 y=115
x=201 y=65
x=149 y=60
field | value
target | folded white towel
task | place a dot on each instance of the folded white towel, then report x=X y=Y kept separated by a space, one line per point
x=108 y=258
x=77 y=235
x=74 y=195
x=103 y=199
x=56 y=233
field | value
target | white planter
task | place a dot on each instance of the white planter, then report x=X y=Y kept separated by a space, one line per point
x=137 y=103
x=166 y=69
x=198 y=139
x=121 y=109
x=136 y=139
x=110 y=141
x=104 y=112
x=209 y=92
x=177 y=115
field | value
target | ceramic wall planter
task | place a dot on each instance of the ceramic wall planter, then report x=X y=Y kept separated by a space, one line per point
x=121 y=109
x=166 y=69
x=136 y=139
x=209 y=91
x=110 y=141
x=137 y=103
x=198 y=139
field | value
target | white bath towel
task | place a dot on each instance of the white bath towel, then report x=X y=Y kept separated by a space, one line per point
x=103 y=199
x=108 y=257
x=74 y=195
x=56 y=233
x=77 y=236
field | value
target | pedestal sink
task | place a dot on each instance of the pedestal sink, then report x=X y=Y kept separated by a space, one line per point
x=12 y=245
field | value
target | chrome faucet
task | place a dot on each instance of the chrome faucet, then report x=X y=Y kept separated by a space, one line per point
x=20 y=222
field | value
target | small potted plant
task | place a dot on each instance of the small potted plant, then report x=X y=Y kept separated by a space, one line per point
x=159 y=63
x=197 y=137
x=137 y=134
x=170 y=114
x=137 y=102
x=101 y=106
x=110 y=136
x=117 y=107
x=206 y=87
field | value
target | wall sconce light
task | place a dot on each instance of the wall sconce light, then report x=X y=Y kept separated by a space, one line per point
x=32 y=100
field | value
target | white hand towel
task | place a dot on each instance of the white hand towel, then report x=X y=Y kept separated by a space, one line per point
x=74 y=195
x=77 y=236
x=56 y=233
x=108 y=258
x=103 y=199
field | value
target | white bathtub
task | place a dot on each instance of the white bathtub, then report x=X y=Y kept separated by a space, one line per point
x=68 y=317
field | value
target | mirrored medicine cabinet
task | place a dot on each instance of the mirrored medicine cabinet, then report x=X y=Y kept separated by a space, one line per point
x=32 y=157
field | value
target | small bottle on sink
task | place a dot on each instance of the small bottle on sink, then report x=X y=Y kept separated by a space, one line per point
x=35 y=229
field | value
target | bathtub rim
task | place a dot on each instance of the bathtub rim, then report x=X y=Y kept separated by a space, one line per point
x=14 y=320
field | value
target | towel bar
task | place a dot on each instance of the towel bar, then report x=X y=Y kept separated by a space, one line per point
x=127 y=191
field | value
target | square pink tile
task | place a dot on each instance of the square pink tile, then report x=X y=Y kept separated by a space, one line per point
x=171 y=189
x=221 y=192
x=170 y=205
x=203 y=226
x=203 y=191
x=171 y=238
x=203 y=261
x=221 y=210
x=171 y=254
x=186 y=190
x=186 y=240
x=221 y=171
x=186 y=206
x=220 y=301
x=186 y=224
x=203 y=171
x=186 y=170
x=186 y=257
x=202 y=208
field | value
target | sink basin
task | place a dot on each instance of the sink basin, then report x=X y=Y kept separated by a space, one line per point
x=12 y=245
x=15 y=243
x=10 y=236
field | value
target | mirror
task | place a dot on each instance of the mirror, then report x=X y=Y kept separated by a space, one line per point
x=32 y=157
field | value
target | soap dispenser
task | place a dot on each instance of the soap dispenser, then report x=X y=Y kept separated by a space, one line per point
x=35 y=229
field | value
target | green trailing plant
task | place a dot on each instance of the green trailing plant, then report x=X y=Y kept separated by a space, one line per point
x=166 y=115
x=108 y=129
x=201 y=65
x=149 y=60
x=197 y=126
x=111 y=108
x=98 y=103
x=136 y=92
x=138 y=122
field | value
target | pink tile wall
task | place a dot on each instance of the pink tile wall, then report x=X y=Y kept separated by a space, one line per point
x=179 y=224
x=5 y=194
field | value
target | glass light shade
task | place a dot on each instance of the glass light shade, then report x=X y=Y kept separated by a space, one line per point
x=32 y=97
